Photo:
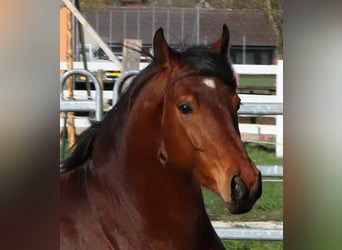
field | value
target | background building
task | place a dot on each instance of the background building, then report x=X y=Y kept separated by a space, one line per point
x=253 y=40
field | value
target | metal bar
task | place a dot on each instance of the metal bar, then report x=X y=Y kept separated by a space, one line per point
x=272 y=180
x=119 y=82
x=97 y=23
x=110 y=27
x=198 y=25
x=168 y=25
x=243 y=49
x=153 y=21
x=138 y=24
x=272 y=234
x=77 y=105
x=98 y=102
x=124 y=24
x=182 y=27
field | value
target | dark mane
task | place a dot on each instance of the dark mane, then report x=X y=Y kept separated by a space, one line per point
x=202 y=59
x=82 y=150
x=207 y=62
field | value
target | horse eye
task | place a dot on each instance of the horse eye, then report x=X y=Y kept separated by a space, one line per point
x=185 y=108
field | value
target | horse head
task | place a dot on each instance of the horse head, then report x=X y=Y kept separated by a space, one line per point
x=199 y=123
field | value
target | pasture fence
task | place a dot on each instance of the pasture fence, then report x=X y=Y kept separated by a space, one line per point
x=264 y=104
x=271 y=105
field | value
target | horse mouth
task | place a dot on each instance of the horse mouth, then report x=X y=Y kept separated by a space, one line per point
x=236 y=208
x=242 y=200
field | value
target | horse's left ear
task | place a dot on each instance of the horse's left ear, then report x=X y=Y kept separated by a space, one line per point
x=161 y=50
x=222 y=44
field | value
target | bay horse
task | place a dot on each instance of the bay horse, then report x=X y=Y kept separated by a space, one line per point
x=134 y=179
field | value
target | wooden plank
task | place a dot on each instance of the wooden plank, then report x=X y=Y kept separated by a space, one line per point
x=131 y=54
x=246 y=69
x=92 y=32
x=93 y=66
x=258 y=129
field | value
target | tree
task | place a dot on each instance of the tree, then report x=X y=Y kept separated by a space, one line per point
x=98 y=5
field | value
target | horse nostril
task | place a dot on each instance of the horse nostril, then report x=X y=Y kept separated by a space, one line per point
x=238 y=187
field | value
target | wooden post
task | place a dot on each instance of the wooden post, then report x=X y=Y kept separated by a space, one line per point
x=131 y=54
x=63 y=14
x=69 y=55
x=130 y=58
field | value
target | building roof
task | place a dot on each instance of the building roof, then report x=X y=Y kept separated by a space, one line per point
x=180 y=25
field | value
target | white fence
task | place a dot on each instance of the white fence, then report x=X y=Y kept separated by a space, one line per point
x=265 y=104
x=251 y=104
x=231 y=233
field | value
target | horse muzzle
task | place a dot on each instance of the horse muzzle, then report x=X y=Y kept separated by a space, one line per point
x=242 y=199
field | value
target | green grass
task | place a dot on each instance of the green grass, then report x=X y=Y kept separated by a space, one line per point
x=263 y=154
x=252 y=245
x=268 y=207
x=257 y=80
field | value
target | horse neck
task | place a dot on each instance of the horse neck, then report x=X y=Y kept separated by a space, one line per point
x=147 y=194
x=155 y=187
x=170 y=202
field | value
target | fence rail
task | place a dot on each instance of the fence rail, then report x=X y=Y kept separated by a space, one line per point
x=251 y=104
x=271 y=171
x=230 y=233
x=253 y=108
x=264 y=105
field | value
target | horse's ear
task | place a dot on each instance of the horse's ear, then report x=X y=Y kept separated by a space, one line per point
x=161 y=50
x=222 y=44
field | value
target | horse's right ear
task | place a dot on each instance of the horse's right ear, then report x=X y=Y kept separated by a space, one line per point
x=161 y=50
